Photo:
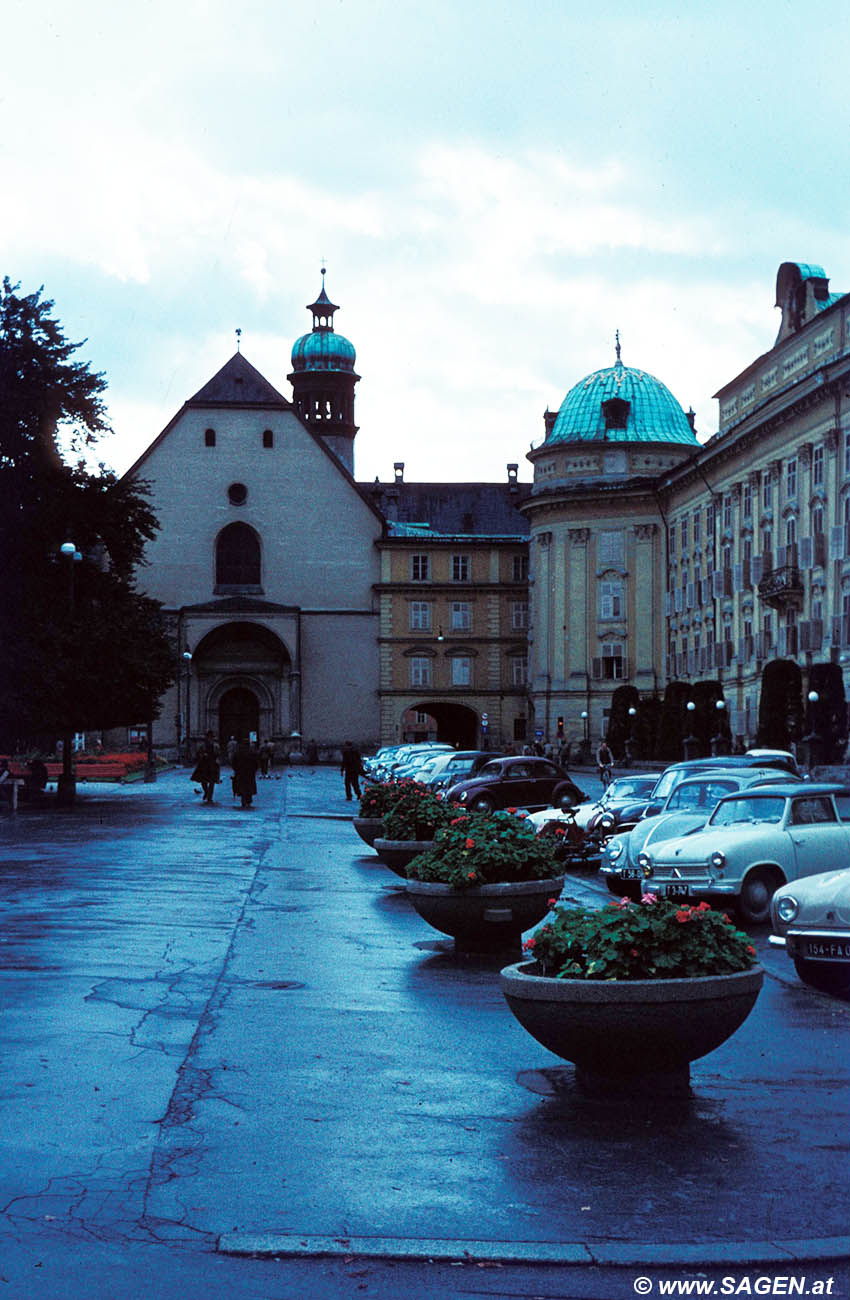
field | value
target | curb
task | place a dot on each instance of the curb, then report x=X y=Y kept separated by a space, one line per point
x=617 y=1254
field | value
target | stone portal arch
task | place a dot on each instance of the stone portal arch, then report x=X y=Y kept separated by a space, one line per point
x=457 y=724
x=244 y=674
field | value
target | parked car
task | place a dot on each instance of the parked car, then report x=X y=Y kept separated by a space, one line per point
x=622 y=792
x=755 y=841
x=687 y=808
x=516 y=782
x=460 y=764
x=811 y=918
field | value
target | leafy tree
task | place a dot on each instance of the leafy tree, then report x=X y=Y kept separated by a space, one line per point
x=81 y=647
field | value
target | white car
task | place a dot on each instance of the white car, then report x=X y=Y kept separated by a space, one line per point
x=811 y=918
x=754 y=842
x=622 y=790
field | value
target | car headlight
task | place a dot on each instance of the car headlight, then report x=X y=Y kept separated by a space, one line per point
x=787 y=908
x=607 y=821
x=463 y=796
x=614 y=849
x=718 y=860
x=645 y=863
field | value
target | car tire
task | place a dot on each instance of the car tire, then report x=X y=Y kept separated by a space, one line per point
x=757 y=889
x=483 y=804
x=826 y=977
x=563 y=797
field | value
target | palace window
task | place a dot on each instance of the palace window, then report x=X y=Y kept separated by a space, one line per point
x=519 y=670
x=519 y=615
x=420 y=671
x=727 y=513
x=520 y=568
x=791 y=478
x=237 y=557
x=747 y=501
x=611 y=600
x=766 y=490
x=460 y=568
x=461 y=670
x=461 y=616
x=817 y=467
x=420 y=615
x=420 y=568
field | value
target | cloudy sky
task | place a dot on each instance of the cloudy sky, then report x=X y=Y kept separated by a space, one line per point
x=496 y=187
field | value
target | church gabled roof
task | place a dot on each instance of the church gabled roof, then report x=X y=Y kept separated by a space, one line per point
x=238 y=383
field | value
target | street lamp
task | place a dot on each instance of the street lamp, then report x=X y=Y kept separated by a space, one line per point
x=630 y=737
x=691 y=743
x=66 y=786
x=187 y=659
x=813 y=741
x=719 y=744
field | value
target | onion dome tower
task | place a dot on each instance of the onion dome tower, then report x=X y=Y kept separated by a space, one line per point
x=323 y=380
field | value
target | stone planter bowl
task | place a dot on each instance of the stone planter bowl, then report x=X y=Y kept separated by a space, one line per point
x=396 y=854
x=486 y=917
x=632 y=1034
x=368 y=828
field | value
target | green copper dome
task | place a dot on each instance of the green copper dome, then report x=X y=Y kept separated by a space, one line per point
x=323 y=350
x=620 y=404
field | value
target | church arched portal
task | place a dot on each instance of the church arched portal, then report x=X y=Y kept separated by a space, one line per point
x=455 y=723
x=238 y=714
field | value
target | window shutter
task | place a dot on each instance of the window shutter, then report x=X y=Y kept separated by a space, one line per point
x=757 y=568
x=738 y=577
x=806 y=553
x=836 y=629
x=780 y=643
x=819 y=549
x=717 y=583
x=668 y=603
x=781 y=554
x=817 y=633
x=836 y=542
x=678 y=600
x=689 y=596
x=805 y=629
x=625 y=673
x=596 y=673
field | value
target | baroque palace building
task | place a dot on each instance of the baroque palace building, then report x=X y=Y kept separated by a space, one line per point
x=306 y=605
x=656 y=558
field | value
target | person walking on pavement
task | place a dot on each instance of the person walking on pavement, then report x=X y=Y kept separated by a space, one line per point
x=245 y=764
x=351 y=768
x=207 y=770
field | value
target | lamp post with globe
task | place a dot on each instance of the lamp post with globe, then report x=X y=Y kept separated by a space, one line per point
x=66 y=786
x=630 y=743
x=813 y=740
x=720 y=740
x=691 y=744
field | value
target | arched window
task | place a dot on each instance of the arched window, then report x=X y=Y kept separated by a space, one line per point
x=237 y=557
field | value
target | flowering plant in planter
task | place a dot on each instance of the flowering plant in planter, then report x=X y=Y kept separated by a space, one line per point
x=655 y=938
x=476 y=849
x=415 y=813
x=377 y=800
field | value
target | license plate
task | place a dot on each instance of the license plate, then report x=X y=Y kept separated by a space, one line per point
x=674 y=890
x=630 y=873
x=827 y=949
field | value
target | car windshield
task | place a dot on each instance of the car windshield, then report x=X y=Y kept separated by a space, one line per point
x=626 y=787
x=698 y=794
x=747 y=809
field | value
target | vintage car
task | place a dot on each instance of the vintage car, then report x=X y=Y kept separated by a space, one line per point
x=459 y=765
x=623 y=791
x=755 y=841
x=629 y=815
x=516 y=782
x=688 y=807
x=811 y=918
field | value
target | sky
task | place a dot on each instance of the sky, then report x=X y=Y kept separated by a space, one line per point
x=495 y=189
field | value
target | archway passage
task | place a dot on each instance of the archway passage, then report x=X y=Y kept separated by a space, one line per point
x=456 y=724
x=238 y=714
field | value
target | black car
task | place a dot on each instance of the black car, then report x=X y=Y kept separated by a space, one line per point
x=516 y=782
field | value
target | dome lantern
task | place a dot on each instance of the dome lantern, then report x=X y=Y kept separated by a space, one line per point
x=323 y=379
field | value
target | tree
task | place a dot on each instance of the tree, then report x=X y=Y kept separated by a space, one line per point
x=82 y=648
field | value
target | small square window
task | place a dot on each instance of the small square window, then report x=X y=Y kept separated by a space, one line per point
x=268 y=437
x=460 y=568
x=419 y=568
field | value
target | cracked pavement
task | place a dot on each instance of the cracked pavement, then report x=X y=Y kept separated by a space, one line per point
x=226 y=1026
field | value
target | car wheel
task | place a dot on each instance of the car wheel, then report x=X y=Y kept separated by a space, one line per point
x=624 y=888
x=563 y=797
x=827 y=977
x=757 y=890
x=483 y=804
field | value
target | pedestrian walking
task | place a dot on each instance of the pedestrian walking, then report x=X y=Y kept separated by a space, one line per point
x=245 y=764
x=231 y=749
x=352 y=769
x=207 y=771
x=264 y=754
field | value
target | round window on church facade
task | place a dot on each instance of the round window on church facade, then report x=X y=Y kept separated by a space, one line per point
x=237 y=494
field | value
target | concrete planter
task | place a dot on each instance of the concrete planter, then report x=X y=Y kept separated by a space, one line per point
x=368 y=828
x=632 y=1035
x=396 y=854
x=484 y=918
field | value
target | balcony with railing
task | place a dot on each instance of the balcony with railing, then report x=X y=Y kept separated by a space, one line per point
x=783 y=584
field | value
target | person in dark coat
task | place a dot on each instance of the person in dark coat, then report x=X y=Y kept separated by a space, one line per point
x=245 y=764
x=351 y=768
x=207 y=770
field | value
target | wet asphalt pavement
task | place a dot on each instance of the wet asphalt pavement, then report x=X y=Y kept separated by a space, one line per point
x=227 y=1034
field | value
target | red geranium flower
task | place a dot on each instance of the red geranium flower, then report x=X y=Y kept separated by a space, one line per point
x=469 y=844
x=683 y=915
